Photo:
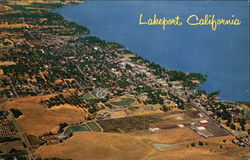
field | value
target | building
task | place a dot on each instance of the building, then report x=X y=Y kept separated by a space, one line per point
x=203 y=122
x=154 y=129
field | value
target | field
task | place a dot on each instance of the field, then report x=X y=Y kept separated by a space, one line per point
x=94 y=146
x=84 y=145
x=123 y=102
x=94 y=126
x=88 y=96
x=7 y=63
x=6 y=147
x=38 y=119
x=77 y=129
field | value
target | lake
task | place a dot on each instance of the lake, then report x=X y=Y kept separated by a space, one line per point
x=222 y=54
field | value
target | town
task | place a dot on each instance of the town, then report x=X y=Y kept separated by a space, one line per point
x=55 y=85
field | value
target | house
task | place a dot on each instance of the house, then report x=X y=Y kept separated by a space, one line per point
x=203 y=122
x=200 y=128
x=154 y=129
x=180 y=125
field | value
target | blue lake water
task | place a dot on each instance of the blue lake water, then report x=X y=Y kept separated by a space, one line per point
x=223 y=54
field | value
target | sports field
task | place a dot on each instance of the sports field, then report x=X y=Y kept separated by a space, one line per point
x=123 y=102
x=77 y=129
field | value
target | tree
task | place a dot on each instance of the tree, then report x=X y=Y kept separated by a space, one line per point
x=243 y=122
x=13 y=150
x=181 y=107
x=232 y=126
x=165 y=109
x=201 y=143
x=16 y=112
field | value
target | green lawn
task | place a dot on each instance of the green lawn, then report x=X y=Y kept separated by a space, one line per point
x=88 y=96
x=123 y=102
x=94 y=126
x=77 y=129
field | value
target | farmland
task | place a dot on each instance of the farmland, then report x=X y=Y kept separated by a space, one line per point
x=94 y=126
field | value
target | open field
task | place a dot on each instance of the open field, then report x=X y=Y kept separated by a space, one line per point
x=95 y=146
x=38 y=119
x=107 y=146
x=173 y=136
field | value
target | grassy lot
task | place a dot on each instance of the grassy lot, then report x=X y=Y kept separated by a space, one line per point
x=88 y=96
x=123 y=102
x=77 y=129
x=94 y=126
x=38 y=119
